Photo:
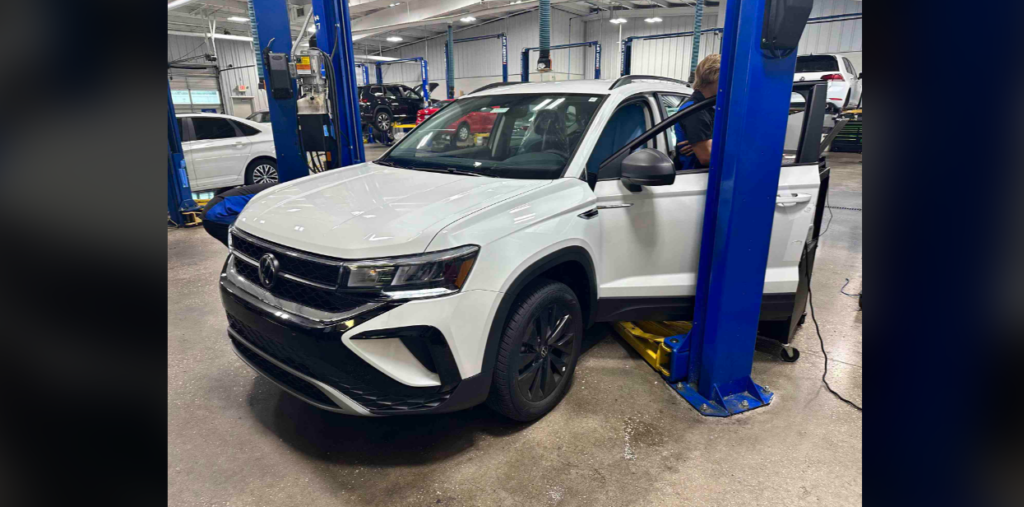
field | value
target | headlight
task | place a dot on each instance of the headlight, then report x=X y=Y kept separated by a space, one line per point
x=427 y=275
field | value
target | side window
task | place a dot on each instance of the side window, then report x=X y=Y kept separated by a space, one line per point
x=393 y=91
x=246 y=130
x=850 y=67
x=408 y=93
x=376 y=90
x=212 y=128
x=183 y=130
x=627 y=123
x=670 y=104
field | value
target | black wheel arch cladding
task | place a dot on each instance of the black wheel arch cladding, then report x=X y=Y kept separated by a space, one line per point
x=547 y=265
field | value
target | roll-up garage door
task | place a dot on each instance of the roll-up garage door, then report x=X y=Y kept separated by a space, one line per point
x=195 y=90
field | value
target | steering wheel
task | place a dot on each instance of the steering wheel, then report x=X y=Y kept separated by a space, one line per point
x=553 y=128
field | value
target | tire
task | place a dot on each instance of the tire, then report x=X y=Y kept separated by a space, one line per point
x=382 y=121
x=537 y=358
x=261 y=170
x=463 y=132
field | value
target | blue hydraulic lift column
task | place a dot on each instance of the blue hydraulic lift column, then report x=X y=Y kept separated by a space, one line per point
x=334 y=34
x=179 y=192
x=275 y=32
x=380 y=73
x=750 y=124
x=451 y=71
x=449 y=63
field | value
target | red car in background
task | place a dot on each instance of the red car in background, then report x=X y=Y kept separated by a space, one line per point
x=463 y=129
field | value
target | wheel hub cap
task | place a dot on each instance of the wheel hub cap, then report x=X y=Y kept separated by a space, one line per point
x=545 y=353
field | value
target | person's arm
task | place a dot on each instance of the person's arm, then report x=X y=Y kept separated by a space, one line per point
x=702 y=150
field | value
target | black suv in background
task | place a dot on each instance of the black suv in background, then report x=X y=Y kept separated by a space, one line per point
x=382 y=104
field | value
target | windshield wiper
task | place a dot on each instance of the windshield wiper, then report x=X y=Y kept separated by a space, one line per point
x=439 y=169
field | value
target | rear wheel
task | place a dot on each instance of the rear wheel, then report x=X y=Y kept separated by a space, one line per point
x=538 y=351
x=262 y=170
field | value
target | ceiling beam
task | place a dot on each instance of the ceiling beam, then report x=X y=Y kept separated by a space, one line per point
x=363 y=30
x=643 y=13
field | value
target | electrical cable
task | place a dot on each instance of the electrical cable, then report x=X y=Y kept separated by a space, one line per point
x=830 y=214
x=843 y=292
x=810 y=301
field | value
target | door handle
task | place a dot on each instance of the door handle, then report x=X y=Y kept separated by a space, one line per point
x=791 y=199
x=615 y=205
x=239 y=144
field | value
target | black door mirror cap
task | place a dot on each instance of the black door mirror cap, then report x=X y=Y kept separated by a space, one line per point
x=647 y=167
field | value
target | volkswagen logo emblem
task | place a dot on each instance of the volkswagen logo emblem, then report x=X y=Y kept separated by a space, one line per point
x=268 y=270
x=803 y=78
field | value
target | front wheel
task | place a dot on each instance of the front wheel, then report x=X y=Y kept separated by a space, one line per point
x=538 y=351
x=261 y=171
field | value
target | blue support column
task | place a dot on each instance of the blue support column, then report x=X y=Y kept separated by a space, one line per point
x=449 y=63
x=626 y=57
x=597 y=60
x=504 y=58
x=334 y=33
x=750 y=125
x=179 y=192
x=272 y=23
x=380 y=74
x=524 y=67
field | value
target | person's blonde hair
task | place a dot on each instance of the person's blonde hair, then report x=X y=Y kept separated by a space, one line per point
x=707 y=71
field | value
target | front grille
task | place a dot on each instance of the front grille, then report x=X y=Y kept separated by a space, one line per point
x=328 y=360
x=325 y=273
x=300 y=293
x=283 y=376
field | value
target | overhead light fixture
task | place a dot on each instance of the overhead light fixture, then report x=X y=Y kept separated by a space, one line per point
x=177 y=3
x=655 y=19
x=468 y=19
x=377 y=58
x=238 y=19
x=311 y=29
x=618 y=21
x=396 y=4
x=394 y=39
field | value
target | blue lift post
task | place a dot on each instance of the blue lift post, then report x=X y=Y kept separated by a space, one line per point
x=626 y=54
x=504 y=58
x=423 y=72
x=334 y=34
x=525 y=58
x=750 y=123
x=275 y=33
x=179 y=193
x=366 y=72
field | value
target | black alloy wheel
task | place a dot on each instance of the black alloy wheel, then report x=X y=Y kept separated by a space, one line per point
x=545 y=353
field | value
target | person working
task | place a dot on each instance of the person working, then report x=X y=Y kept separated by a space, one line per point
x=693 y=134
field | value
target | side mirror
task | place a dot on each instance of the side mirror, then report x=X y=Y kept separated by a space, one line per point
x=647 y=167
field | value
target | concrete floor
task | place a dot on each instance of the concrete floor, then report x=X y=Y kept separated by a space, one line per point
x=621 y=436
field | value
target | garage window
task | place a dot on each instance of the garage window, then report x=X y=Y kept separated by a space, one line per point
x=212 y=128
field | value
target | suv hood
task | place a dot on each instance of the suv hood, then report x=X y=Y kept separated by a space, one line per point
x=368 y=210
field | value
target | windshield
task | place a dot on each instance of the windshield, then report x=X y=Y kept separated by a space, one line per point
x=530 y=136
x=816 y=63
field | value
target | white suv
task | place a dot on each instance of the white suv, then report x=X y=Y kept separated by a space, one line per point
x=441 y=274
x=224 y=151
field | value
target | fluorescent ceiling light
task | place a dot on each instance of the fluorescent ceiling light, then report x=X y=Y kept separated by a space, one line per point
x=311 y=29
x=396 y=4
x=177 y=3
x=238 y=19
x=394 y=39
x=468 y=19
x=618 y=20
x=653 y=20
x=378 y=58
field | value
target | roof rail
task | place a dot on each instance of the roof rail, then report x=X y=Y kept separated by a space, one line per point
x=625 y=80
x=494 y=85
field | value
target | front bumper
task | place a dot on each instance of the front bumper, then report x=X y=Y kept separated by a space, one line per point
x=304 y=354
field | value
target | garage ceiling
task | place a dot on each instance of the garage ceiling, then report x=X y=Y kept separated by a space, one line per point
x=373 y=21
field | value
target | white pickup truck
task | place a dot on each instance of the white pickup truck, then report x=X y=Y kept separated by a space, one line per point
x=445 y=274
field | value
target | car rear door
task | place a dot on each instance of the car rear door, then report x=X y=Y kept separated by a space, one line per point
x=219 y=151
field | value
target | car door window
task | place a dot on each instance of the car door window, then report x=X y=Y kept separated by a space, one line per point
x=627 y=123
x=670 y=104
x=246 y=130
x=212 y=128
x=376 y=90
x=392 y=91
x=183 y=130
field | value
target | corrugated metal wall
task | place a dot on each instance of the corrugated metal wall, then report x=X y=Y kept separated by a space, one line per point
x=478 y=63
x=838 y=36
x=230 y=53
x=663 y=57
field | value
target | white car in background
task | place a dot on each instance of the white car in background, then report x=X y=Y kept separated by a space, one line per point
x=223 y=151
x=844 y=82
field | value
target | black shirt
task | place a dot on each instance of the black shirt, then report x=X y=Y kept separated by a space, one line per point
x=699 y=126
